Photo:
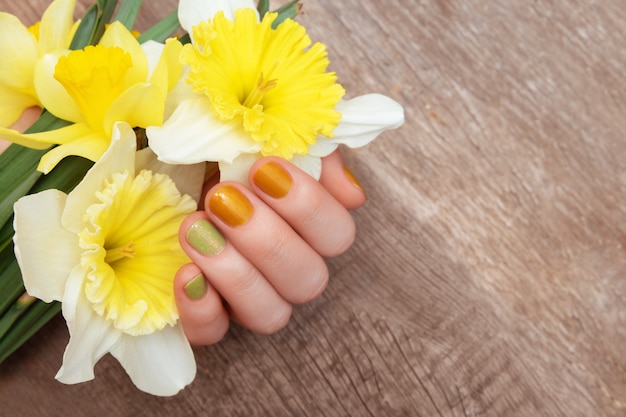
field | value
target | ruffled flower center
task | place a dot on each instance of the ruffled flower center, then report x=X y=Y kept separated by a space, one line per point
x=273 y=81
x=94 y=77
x=131 y=251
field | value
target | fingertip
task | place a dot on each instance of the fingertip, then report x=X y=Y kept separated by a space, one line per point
x=202 y=313
x=341 y=182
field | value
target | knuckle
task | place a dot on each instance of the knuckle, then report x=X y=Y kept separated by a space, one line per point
x=246 y=281
x=312 y=285
x=279 y=251
x=276 y=321
x=342 y=238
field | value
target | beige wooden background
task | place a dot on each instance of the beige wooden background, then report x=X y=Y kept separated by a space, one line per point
x=489 y=274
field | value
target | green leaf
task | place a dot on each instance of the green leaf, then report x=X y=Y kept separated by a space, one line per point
x=17 y=175
x=18 y=167
x=6 y=234
x=30 y=322
x=263 y=7
x=162 y=29
x=65 y=176
x=84 y=33
x=19 y=307
x=128 y=12
x=92 y=24
x=106 y=9
x=287 y=11
x=11 y=285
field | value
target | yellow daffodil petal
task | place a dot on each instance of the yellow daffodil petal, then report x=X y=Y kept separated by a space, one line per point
x=140 y=106
x=13 y=104
x=52 y=94
x=116 y=35
x=18 y=49
x=168 y=69
x=28 y=140
x=42 y=140
x=57 y=25
x=90 y=146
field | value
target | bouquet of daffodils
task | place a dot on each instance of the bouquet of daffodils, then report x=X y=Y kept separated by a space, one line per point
x=92 y=195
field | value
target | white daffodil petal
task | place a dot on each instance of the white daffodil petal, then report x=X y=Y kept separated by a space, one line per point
x=45 y=251
x=312 y=165
x=364 y=118
x=119 y=157
x=152 y=50
x=322 y=147
x=192 y=12
x=188 y=178
x=91 y=336
x=161 y=363
x=213 y=140
x=181 y=91
x=239 y=168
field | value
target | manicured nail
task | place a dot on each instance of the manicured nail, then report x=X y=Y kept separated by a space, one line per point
x=350 y=176
x=205 y=238
x=273 y=179
x=196 y=287
x=231 y=206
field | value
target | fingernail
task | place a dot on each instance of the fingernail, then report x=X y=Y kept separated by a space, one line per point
x=273 y=179
x=205 y=238
x=231 y=206
x=196 y=287
x=350 y=176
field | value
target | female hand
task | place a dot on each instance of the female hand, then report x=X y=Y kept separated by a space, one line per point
x=257 y=251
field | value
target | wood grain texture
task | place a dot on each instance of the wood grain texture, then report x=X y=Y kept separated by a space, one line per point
x=489 y=273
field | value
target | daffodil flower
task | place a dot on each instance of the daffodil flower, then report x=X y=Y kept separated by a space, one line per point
x=259 y=91
x=21 y=48
x=109 y=251
x=96 y=87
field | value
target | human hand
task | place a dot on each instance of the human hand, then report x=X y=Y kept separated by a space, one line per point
x=265 y=251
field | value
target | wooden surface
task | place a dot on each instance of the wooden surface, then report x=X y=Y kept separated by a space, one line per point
x=489 y=274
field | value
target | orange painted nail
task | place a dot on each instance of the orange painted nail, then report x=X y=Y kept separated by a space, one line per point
x=231 y=206
x=350 y=176
x=273 y=180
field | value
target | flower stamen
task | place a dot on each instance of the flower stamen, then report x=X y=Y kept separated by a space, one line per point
x=116 y=254
x=256 y=95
